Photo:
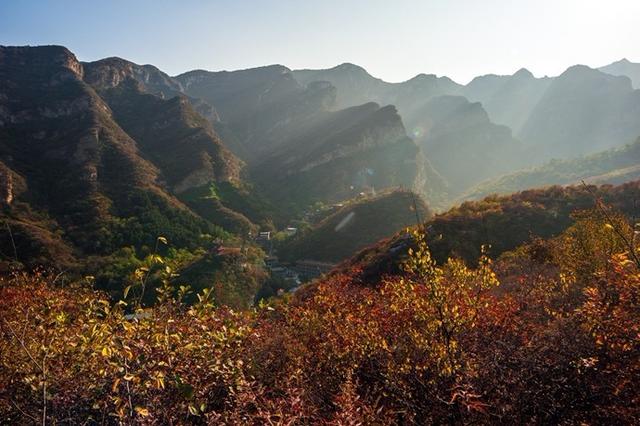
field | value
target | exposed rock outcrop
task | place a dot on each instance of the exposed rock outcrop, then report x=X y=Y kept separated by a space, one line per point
x=92 y=188
x=340 y=154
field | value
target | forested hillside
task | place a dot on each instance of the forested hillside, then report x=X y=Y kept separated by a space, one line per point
x=478 y=245
x=546 y=333
x=93 y=174
x=355 y=226
x=613 y=166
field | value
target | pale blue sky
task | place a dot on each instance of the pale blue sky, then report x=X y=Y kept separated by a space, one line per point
x=393 y=39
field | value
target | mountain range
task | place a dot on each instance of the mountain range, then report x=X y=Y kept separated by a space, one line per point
x=98 y=156
x=580 y=112
x=625 y=68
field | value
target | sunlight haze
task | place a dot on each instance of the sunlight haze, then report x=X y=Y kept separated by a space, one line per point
x=392 y=40
x=335 y=212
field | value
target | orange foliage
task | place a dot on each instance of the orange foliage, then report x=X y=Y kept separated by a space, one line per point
x=549 y=333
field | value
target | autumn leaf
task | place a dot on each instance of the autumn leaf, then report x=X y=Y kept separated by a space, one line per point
x=142 y=411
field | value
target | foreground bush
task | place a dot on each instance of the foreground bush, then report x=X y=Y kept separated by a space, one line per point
x=550 y=333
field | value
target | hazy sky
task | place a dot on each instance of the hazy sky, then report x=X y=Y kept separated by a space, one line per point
x=392 y=39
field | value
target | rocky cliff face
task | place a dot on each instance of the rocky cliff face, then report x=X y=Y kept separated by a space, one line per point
x=55 y=63
x=299 y=149
x=259 y=106
x=72 y=171
x=170 y=133
x=111 y=72
x=59 y=118
x=341 y=154
x=59 y=135
x=12 y=185
x=464 y=146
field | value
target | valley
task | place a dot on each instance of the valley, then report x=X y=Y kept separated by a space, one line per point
x=219 y=156
x=274 y=245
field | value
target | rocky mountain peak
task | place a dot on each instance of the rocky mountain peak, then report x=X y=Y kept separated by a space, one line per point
x=55 y=61
x=110 y=72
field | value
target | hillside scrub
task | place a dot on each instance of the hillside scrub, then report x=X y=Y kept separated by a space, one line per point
x=548 y=333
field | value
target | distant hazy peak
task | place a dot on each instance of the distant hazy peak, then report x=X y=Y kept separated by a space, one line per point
x=626 y=68
x=523 y=73
x=585 y=72
x=353 y=69
x=426 y=77
x=623 y=61
x=272 y=69
x=343 y=72
x=578 y=68
x=484 y=78
x=348 y=66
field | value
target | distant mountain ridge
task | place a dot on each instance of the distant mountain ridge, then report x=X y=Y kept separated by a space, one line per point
x=355 y=86
x=300 y=147
x=111 y=72
x=580 y=112
x=257 y=104
x=206 y=146
x=260 y=109
x=583 y=111
x=624 y=67
x=463 y=145
x=613 y=166
x=340 y=154
x=508 y=99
